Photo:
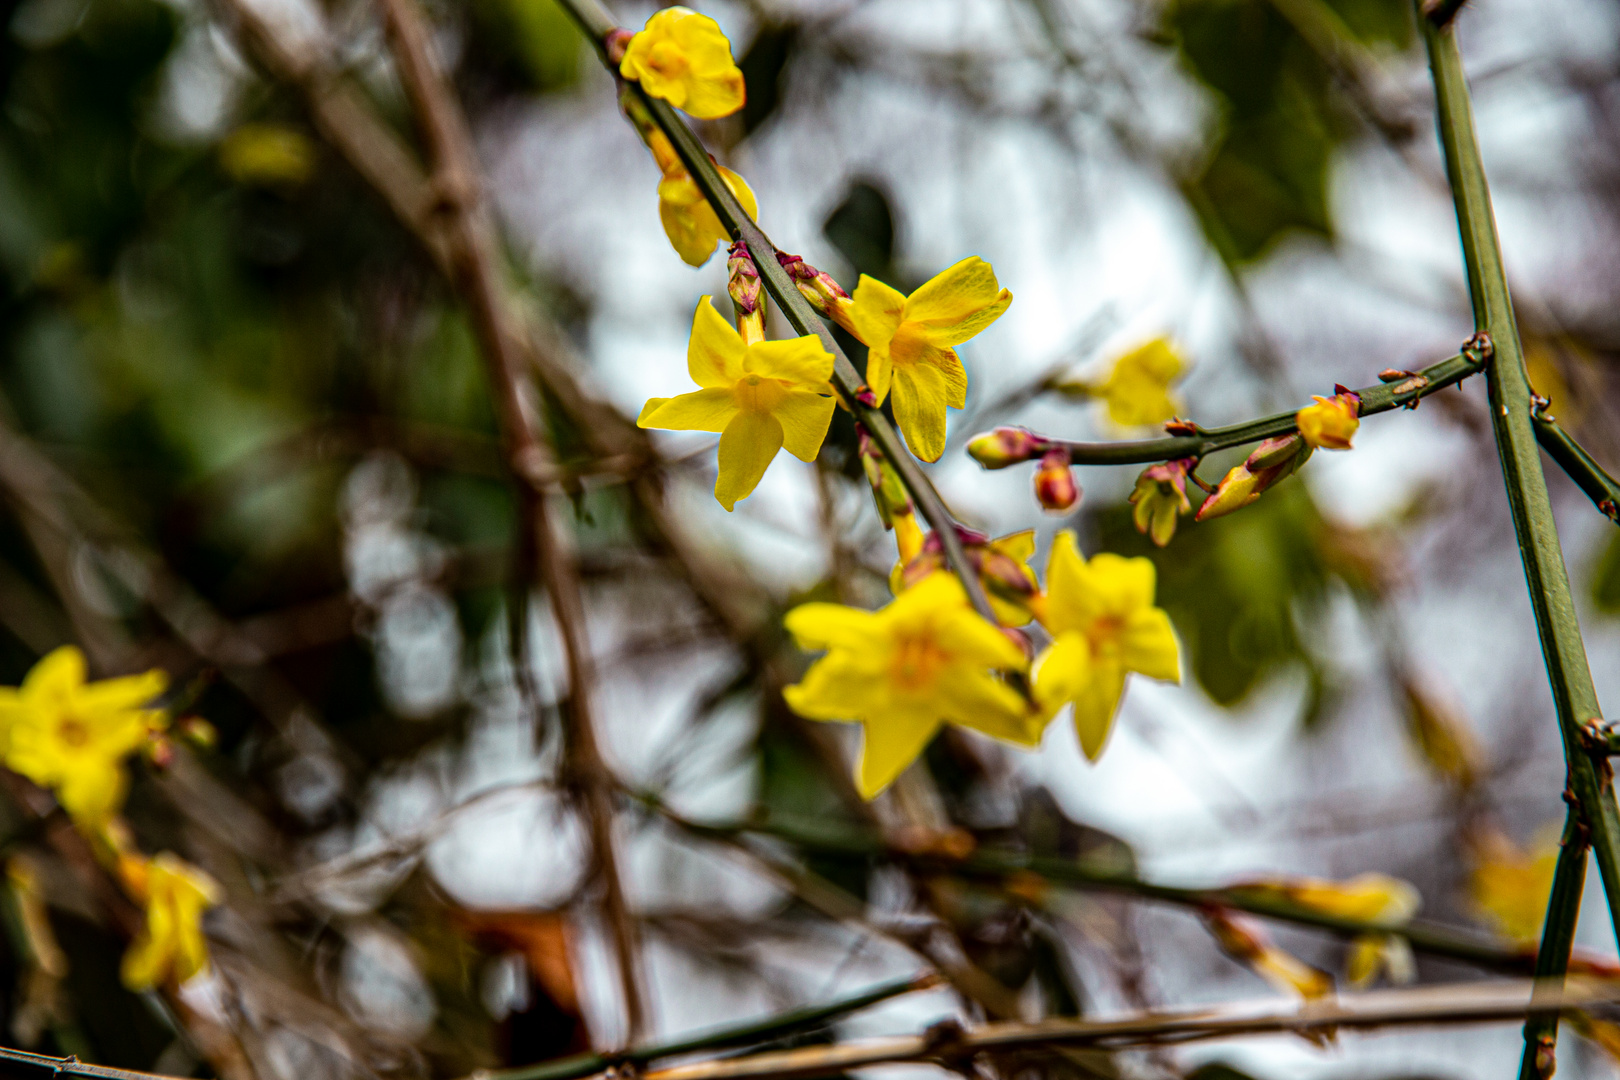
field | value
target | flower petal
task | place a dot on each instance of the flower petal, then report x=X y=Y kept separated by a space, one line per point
x=979 y=701
x=1096 y=704
x=688 y=219
x=59 y=671
x=739 y=187
x=1121 y=585
x=126 y=692
x=1067 y=584
x=972 y=641
x=959 y=301
x=747 y=447
x=714 y=355
x=876 y=312
x=805 y=418
x=1062 y=671
x=833 y=626
x=834 y=689
x=1147 y=645
x=920 y=397
x=879 y=371
x=701 y=410
x=890 y=744
x=802 y=360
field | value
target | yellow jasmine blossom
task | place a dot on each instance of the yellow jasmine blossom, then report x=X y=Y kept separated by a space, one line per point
x=1137 y=389
x=760 y=398
x=1510 y=886
x=1160 y=498
x=1331 y=422
x=72 y=736
x=684 y=58
x=1103 y=626
x=689 y=221
x=1376 y=898
x=909 y=343
x=905 y=670
x=170 y=946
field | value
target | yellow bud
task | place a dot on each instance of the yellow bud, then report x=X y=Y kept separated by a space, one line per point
x=1331 y=422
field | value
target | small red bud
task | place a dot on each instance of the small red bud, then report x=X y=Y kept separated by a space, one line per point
x=1055 y=488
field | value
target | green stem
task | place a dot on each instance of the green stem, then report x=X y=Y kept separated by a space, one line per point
x=1004 y=867
x=1557 y=939
x=764 y=1030
x=1512 y=410
x=1374 y=399
x=1600 y=487
x=600 y=26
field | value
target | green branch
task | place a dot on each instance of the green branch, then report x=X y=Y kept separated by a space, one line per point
x=1600 y=487
x=600 y=27
x=1400 y=393
x=1513 y=407
x=752 y=1033
x=1006 y=867
x=1557 y=941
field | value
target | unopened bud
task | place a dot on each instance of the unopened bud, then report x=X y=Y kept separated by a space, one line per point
x=888 y=492
x=1055 y=488
x=818 y=287
x=1331 y=422
x=1006 y=446
x=1271 y=462
x=197 y=731
x=1160 y=498
x=743 y=279
x=160 y=752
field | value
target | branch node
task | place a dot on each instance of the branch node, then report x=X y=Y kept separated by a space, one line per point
x=1479 y=349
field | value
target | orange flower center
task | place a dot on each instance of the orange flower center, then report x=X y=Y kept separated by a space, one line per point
x=669 y=60
x=71 y=731
x=917 y=662
x=909 y=344
x=1104 y=633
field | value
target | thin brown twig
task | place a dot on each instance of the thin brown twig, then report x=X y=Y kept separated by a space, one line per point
x=479 y=278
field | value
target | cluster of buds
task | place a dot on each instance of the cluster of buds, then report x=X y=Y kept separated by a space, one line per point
x=823 y=293
x=1160 y=499
x=1009 y=583
x=743 y=284
x=1272 y=461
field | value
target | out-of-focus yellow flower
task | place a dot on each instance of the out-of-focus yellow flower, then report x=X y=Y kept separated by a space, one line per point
x=1444 y=736
x=1103 y=626
x=1160 y=498
x=902 y=671
x=170 y=946
x=1375 y=898
x=1009 y=584
x=1248 y=944
x=909 y=343
x=1137 y=389
x=270 y=154
x=689 y=220
x=1331 y=422
x=684 y=58
x=1510 y=886
x=759 y=397
x=72 y=736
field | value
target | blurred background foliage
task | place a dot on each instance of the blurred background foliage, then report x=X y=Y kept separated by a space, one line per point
x=256 y=401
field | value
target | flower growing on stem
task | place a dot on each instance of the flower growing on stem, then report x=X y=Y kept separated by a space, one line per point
x=688 y=219
x=820 y=290
x=170 y=945
x=909 y=343
x=903 y=671
x=684 y=58
x=1331 y=422
x=72 y=736
x=1104 y=626
x=761 y=397
x=1137 y=388
x=1009 y=584
x=1160 y=498
x=1377 y=898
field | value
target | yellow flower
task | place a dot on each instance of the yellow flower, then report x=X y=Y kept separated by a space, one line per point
x=269 y=154
x=904 y=670
x=1103 y=626
x=1376 y=898
x=1137 y=389
x=1511 y=887
x=1331 y=422
x=909 y=343
x=1160 y=498
x=689 y=220
x=72 y=736
x=683 y=57
x=760 y=397
x=170 y=945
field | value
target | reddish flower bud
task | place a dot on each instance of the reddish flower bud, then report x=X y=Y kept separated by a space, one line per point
x=1055 y=488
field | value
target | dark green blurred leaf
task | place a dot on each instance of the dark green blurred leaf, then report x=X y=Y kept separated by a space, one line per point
x=1606 y=579
x=534 y=37
x=764 y=67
